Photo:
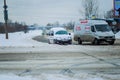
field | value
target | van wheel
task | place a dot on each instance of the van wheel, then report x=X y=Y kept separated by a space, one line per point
x=79 y=41
x=112 y=42
x=96 y=42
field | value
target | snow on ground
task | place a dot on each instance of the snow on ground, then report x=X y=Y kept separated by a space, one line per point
x=20 y=39
x=15 y=77
x=50 y=77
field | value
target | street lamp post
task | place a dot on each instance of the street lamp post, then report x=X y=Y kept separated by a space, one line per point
x=5 y=18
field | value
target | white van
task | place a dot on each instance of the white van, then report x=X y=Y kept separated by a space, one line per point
x=95 y=31
x=59 y=35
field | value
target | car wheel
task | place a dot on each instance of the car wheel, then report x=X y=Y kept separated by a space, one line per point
x=96 y=42
x=112 y=42
x=70 y=42
x=79 y=41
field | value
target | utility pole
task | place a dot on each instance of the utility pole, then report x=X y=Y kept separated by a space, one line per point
x=5 y=18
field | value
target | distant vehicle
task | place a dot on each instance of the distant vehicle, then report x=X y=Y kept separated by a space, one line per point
x=95 y=31
x=59 y=35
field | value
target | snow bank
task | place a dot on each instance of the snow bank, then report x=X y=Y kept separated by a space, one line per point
x=117 y=35
x=15 y=77
x=47 y=77
x=20 y=38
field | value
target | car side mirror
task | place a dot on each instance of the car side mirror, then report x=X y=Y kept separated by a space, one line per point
x=69 y=33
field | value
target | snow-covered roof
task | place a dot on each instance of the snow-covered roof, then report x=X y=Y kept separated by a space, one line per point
x=57 y=29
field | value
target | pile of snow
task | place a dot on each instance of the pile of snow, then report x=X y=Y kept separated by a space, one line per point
x=20 y=38
x=49 y=77
x=117 y=35
x=15 y=77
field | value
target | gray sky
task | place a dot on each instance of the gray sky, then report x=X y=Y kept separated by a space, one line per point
x=48 y=11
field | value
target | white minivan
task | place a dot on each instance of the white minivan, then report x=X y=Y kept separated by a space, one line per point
x=59 y=35
x=95 y=31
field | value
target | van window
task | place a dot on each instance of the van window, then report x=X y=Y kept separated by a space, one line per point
x=92 y=29
x=61 y=32
x=102 y=28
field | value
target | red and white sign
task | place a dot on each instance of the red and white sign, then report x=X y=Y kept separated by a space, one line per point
x=78 y=28
x=87 y=28
x=84 y=21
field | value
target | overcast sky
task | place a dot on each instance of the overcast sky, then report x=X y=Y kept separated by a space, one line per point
x=48 y=11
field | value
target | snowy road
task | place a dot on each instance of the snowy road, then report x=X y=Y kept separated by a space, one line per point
x=22 y=58
x=100 y=59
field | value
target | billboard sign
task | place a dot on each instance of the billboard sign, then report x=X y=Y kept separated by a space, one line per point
x=116 y=7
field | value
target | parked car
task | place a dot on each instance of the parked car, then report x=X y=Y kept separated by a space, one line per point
x=59 y=35
x=95 y=31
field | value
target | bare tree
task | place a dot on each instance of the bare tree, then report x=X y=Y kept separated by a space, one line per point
x=90 y=8
x=109 y=14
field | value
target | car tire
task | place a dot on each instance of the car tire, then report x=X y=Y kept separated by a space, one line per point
x=96 y=42
x=112 y=42
x=79 y=41
x=70 y=42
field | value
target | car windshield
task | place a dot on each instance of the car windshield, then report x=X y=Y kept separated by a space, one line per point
x=61 y=32
x=102 y=28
